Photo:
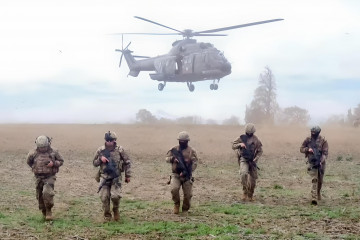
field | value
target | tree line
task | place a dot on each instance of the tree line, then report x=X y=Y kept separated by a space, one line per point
x=263 y=109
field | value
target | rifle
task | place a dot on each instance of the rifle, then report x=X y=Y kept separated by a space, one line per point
x=181 y=166
x=315 y=157
x=110 y=170
x=247 y=153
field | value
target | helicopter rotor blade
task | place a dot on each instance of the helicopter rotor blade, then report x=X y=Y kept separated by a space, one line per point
x=137 y=56
x=147 y=20
x=239 y=26
x=208 y=34
x=147 y=33
x=127 y=46
x=121 y=59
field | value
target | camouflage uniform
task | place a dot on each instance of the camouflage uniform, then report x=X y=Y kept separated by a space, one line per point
x=316 y=174
x=177 y=180
x=44 y=175
x=248 y=170
x=112 y=188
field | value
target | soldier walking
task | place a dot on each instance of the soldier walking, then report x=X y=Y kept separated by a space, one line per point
x=45 y=163
x=249 y=149
x=183 y=159
x=112 y=161
x=316 y=150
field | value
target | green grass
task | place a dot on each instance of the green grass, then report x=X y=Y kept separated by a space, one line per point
x=217 y=219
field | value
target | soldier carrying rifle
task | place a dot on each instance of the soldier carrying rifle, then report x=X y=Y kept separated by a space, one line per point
x=316 y=150
x=249 y=149
x=183 y=159
x=112 y=160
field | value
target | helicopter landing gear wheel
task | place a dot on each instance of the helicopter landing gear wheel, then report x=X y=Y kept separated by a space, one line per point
x=161 y=86
x=191 y=87
x=214 y=86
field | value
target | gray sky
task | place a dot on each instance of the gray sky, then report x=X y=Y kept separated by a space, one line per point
x=58 y=64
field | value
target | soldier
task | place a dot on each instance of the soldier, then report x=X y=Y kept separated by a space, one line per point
x=183 y=159
x=316 y=150
x=44 y=162
x=112 y=160
x=249 y=149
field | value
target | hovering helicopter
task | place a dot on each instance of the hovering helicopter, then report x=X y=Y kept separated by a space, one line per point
x=188 y=61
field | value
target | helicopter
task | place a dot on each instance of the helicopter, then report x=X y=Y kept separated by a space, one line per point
x=188 y=60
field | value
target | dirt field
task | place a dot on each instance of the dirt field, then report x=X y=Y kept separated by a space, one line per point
x=281 y=211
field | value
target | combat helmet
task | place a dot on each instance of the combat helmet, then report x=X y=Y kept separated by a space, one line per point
x=250 y=128
x=315 y=129
x=42 y=141
x=109 y=136
x=183 y=136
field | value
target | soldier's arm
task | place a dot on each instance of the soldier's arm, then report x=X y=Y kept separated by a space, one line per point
x=97 y=161
x=259 y=151
x=126 y=163
x=194 y=160
x=169 y=157
x=30 y=159
x=324 y=151
x=59 y=160
x=236 y=143
x=304 y=148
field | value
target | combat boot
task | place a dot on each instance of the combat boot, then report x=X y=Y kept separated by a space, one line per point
x=48 y=216
x=176 y=209
x=244 y=197
x=43 y=212
x=116 y=214
x=314 y=202
x=107 y=216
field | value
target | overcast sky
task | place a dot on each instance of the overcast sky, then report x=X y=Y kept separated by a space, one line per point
x=58 y=64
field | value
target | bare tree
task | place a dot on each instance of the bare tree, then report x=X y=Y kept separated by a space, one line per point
x=264 y=105
x=145 y=116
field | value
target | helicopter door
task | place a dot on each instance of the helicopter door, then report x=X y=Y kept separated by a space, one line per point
x=188 y=64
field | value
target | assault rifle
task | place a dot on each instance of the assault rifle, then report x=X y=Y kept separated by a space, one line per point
x=315 y=158
x=110 y=170
x=247 y=153
x=181 y=166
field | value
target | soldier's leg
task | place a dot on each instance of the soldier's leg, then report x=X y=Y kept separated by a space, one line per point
x=115 y=195
x=320 y=182
x=48 y=195
x=175 y=187
x=314 y=188
x=39 y=195
x=252 y=184
x=105 y=199
x=187 y=189
x=244 y=175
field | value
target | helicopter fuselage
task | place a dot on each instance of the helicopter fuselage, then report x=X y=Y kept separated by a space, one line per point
x=187 y=61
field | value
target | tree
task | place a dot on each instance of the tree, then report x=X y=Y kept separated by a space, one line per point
x=144 y=116
x=293 y=115
x=264 y=105
x=357 y=111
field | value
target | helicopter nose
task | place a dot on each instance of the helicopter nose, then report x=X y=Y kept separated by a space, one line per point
x=226 y=67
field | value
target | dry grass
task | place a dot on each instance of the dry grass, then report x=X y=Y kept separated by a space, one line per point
x=283 y=184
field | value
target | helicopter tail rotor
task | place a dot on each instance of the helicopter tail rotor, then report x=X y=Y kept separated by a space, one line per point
x=122 y=50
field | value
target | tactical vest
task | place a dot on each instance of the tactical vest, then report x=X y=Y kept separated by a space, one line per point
x=187 y=154
x=115 y=156
x=41 y=161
